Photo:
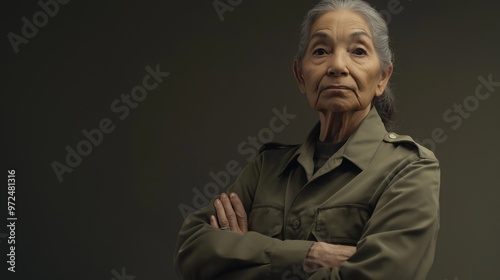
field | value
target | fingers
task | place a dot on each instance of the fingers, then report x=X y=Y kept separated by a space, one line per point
x=345 y=252
x=323 y=254
x=221 y=214
x=229 y=213
x=213 y=222
x=239 y=210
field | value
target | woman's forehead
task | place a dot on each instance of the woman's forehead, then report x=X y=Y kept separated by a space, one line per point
x=339 y=22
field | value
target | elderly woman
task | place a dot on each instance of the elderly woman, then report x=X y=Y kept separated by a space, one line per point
x=353 y=201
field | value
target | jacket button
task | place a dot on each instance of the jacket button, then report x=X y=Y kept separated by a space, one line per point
x=393 y=136
x=296 y=224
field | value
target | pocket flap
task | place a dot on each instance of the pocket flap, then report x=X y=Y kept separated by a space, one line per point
x=340 y=224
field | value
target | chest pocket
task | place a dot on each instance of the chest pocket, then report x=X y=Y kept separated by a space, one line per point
x=340 y=224
x=266 y=219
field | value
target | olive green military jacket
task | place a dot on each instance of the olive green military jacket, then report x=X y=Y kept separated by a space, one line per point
x=379 y=192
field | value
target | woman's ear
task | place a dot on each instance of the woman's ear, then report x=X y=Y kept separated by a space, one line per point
x=384 y=80
x=297 y=72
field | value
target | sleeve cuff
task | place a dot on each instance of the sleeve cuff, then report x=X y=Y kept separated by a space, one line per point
x=287 y=254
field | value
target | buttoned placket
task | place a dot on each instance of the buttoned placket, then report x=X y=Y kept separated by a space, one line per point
x=298 y=226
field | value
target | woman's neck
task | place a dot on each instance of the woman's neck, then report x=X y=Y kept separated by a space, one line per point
x=338 y=127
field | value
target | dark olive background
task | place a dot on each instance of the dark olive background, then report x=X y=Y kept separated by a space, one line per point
x=119 y=207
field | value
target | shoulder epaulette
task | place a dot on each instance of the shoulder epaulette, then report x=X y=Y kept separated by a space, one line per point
x=406 y=140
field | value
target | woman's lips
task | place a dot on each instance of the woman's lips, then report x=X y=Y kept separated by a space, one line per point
x=336 y=87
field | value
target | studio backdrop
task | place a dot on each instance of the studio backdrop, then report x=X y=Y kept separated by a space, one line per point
x=119 y=118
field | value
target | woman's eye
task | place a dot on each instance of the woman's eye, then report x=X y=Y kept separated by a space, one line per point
x=320 y=52
x=359 y=51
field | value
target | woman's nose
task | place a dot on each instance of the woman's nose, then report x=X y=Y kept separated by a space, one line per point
x=337 y=65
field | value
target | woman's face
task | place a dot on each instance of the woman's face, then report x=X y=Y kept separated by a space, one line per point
x=340 y=70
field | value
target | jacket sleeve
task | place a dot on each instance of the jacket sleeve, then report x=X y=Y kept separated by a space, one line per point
x=399 y=240
x=203 y=252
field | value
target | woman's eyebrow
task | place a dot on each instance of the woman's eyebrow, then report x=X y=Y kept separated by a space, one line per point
x=360 y=34
x=322 y=35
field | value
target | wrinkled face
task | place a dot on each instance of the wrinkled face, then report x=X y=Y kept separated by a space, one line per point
x=340 y=70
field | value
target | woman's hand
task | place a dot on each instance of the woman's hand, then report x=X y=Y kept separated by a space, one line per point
x=323 y=254
x=231 y=214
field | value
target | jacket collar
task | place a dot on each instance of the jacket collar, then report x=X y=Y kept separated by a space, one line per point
x=359 y=148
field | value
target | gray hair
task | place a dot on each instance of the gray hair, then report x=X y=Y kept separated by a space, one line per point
x=385 y=103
